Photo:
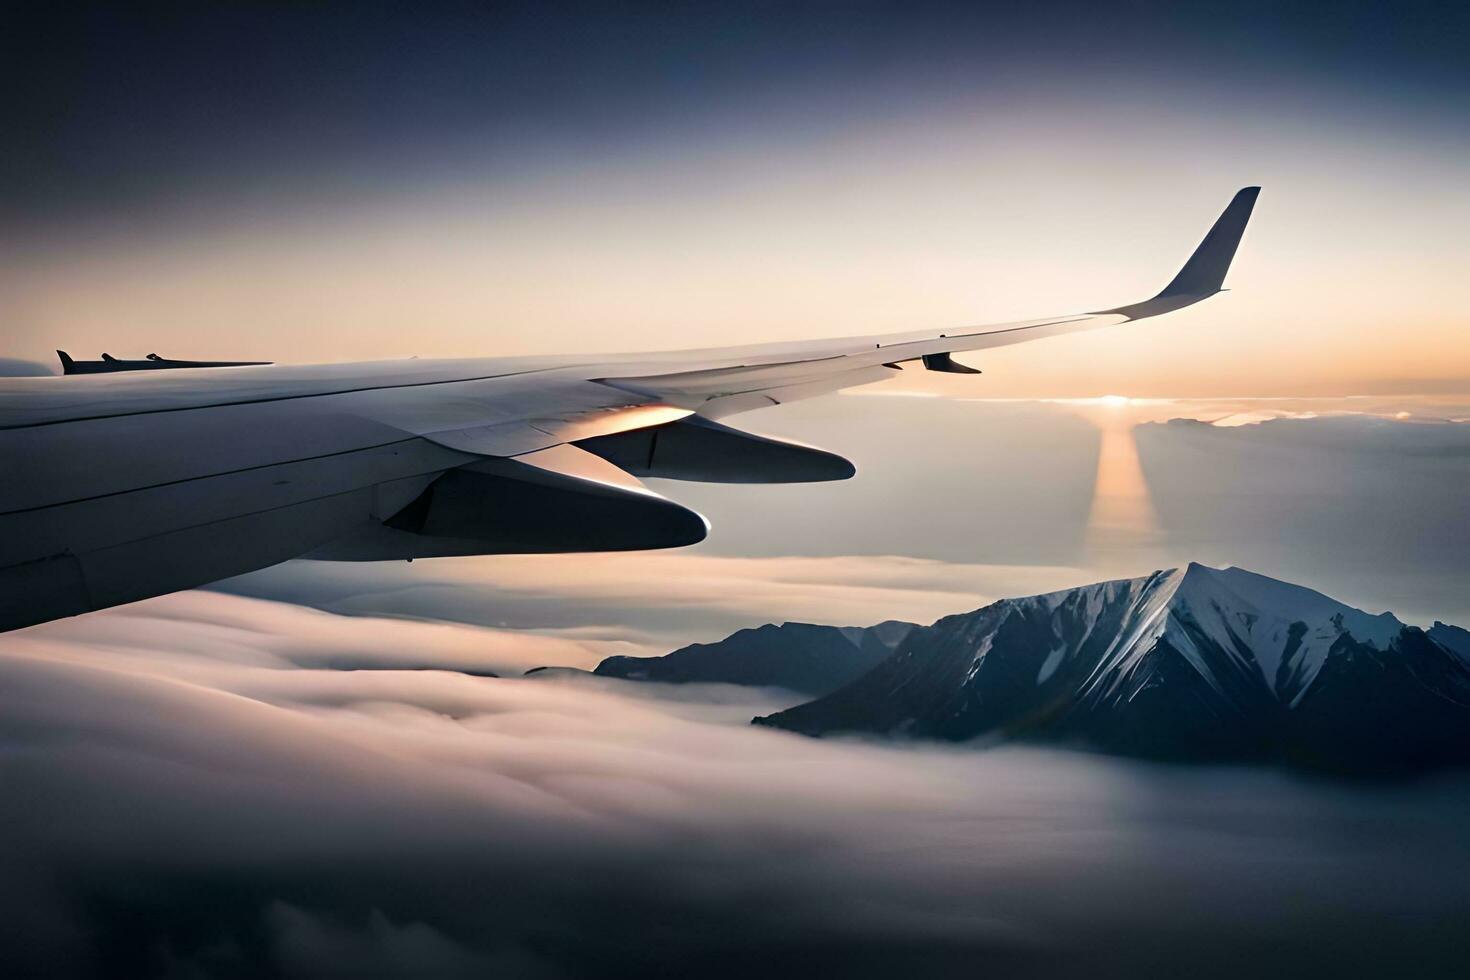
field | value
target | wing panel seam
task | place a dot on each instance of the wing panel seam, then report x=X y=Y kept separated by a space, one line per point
x=262 y=401
x=212 y=476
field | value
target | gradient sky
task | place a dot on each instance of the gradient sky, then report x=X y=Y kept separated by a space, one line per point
x=363 y=181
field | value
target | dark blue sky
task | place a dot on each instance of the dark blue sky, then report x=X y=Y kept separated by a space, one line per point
x=113 y=108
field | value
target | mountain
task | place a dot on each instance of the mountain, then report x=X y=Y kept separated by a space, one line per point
x=1453 y=639
x=555 y=671
x=805 y=658
x=1191 y=664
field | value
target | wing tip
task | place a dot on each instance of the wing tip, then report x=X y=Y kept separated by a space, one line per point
x=1203 y=275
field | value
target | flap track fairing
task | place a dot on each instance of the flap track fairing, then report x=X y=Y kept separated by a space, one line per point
x=702 y=450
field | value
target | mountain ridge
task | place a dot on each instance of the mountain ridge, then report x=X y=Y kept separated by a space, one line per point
x=1186 y=663
x=803 y=657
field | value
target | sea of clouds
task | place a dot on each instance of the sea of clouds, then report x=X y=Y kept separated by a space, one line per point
x=209 y=785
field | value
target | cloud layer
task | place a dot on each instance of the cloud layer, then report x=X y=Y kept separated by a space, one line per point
x=191 y=791
x=1367 y=508
x=652 y=599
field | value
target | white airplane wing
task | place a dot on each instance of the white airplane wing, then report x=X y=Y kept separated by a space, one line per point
x=117 y=487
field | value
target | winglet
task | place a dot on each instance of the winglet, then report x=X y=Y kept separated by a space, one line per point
x=66 y=361
x=1204 y=274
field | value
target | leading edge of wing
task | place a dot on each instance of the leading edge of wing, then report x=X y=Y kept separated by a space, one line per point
x=803 y=369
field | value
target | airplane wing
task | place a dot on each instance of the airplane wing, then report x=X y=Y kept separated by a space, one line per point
x=121 y=486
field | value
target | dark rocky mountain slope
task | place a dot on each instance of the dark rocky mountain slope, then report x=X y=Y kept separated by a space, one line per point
x=805 y=658
x=1189 y=664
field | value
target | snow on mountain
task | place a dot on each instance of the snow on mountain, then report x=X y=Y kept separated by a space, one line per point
x=1194 y=662
x=1235 y=606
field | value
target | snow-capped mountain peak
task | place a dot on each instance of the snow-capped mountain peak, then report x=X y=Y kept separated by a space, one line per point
x=1193 y=661
x=1286 y=630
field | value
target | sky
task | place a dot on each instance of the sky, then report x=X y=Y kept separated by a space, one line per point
x=327 y=183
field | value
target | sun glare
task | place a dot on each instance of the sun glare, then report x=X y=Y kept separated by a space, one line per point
x=1108 y=401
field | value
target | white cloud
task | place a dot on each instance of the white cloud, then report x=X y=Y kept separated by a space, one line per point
x=188 y=790
x=654 y=599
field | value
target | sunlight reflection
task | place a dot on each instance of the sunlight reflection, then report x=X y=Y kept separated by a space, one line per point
x=1122 y=515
